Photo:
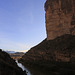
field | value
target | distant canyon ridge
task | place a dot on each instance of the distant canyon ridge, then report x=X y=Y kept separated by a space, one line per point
x=60 y=18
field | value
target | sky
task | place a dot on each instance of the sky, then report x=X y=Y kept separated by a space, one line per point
x=22 y=24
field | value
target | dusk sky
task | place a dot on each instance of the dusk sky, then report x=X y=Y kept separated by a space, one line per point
x=22 y=24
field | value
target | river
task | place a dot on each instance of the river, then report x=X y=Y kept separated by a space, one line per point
x=23 y=68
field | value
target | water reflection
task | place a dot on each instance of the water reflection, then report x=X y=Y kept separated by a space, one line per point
x=23 y=68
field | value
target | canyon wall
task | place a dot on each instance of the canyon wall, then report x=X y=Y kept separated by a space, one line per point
x=60 y=42
x=57 y=52
x=60 y=18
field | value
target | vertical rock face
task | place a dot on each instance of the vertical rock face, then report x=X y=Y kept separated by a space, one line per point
x=60 y=18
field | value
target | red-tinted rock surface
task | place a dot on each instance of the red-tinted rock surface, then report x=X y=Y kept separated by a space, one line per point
x=60 y=18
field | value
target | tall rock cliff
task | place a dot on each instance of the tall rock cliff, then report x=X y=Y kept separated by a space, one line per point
x=60 y=42
x=60 y=18
x=59 y=47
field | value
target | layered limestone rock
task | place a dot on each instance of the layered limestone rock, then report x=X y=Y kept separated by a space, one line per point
x=60 y=18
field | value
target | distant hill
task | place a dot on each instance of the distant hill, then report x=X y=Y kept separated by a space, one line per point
x=16 y=55
x=10 y=51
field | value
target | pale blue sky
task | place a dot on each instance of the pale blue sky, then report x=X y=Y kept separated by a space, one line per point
x=22 y=24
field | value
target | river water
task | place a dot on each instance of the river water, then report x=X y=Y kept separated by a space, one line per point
x=23 y=68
